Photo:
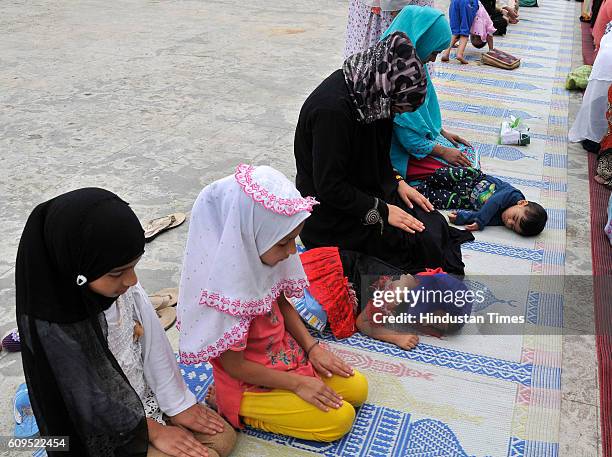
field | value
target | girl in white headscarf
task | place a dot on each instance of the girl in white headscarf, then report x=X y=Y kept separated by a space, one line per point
x=240 y=266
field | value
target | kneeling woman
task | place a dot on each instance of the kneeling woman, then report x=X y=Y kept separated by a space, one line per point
x=240 y=266
x=342 y=144
x=97 y=363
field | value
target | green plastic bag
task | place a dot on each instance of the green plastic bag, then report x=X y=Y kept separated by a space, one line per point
x=578 y=78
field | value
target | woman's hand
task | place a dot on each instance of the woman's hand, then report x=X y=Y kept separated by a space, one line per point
x=410 y=195
x=175 y=441
x=455 y=139
x=317 y=393
x=199 y=418
x=456 y=158
x=404 y=221
x=328 y=364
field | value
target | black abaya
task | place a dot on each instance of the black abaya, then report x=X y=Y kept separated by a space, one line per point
x=345 y=164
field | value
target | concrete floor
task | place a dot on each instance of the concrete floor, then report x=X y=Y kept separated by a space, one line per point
x=153 y=100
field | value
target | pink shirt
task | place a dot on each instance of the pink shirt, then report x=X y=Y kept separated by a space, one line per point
x=269 y=344
x=482 y=25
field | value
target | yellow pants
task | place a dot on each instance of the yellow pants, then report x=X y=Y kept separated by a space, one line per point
x=284 y=413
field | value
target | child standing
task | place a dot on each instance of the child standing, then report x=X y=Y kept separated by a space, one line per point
x=240 y=266
x=490 y=201
x=98 y=366
x=461 y=15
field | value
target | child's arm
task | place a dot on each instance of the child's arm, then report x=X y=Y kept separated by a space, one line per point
x=324 y=361
x=462 y=217
x=492 y=206
x=310 y=389
x=163 y=375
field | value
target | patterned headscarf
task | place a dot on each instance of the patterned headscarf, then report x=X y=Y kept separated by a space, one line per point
x=385 y=75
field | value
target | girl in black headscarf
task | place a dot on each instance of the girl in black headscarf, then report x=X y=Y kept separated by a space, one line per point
x=341 y=146
x=76 y=386
x=75 y=271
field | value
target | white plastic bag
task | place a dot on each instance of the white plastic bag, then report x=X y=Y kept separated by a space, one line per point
x=514 y=131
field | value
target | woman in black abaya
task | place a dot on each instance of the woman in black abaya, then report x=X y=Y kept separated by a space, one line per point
x=342 y=144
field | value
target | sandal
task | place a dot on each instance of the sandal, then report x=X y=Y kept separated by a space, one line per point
x=164 y=298
x=167 y=317
x=162 y=224
x=11 y=341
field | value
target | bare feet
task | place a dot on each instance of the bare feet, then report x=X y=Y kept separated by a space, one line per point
x=462 y=60
x=211 y=397
x=444 y=58
x=404 y=341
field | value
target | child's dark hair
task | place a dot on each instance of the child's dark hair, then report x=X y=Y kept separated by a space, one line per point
x=477 y=42
x=534 y=220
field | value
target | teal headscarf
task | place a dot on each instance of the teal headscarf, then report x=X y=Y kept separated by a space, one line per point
x=429 y=31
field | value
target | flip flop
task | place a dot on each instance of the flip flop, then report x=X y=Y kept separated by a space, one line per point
x=167 y=317
x=161 y=224
x=164 y=298
x=11 y=341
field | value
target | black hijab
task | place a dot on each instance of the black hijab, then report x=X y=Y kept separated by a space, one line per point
x=76 y=386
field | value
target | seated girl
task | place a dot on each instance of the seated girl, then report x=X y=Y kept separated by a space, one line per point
x=97 y=362
x=240 y=267
x=420 y=145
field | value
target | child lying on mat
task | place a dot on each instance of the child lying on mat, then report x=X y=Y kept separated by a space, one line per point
x=485 y=201
x=386 y=317
x=340 y=281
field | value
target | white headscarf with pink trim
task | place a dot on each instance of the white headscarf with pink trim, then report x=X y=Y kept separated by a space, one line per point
x=224 y=284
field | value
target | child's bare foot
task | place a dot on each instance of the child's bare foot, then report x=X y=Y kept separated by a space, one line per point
x=462 y=60
x=444 y=58
x=403 y=340
x=211 y=397
x=599 y=179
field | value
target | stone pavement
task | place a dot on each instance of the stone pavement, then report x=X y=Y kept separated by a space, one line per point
x=153 y=100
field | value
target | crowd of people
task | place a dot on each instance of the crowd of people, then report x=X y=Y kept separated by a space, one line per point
x=374 y=164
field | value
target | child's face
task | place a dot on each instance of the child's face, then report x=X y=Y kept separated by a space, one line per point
x=117 y=281
x=511 y=217
x=282 y=249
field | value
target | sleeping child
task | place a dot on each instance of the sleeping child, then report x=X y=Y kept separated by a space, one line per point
x=485 y=201
x=349 y=286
